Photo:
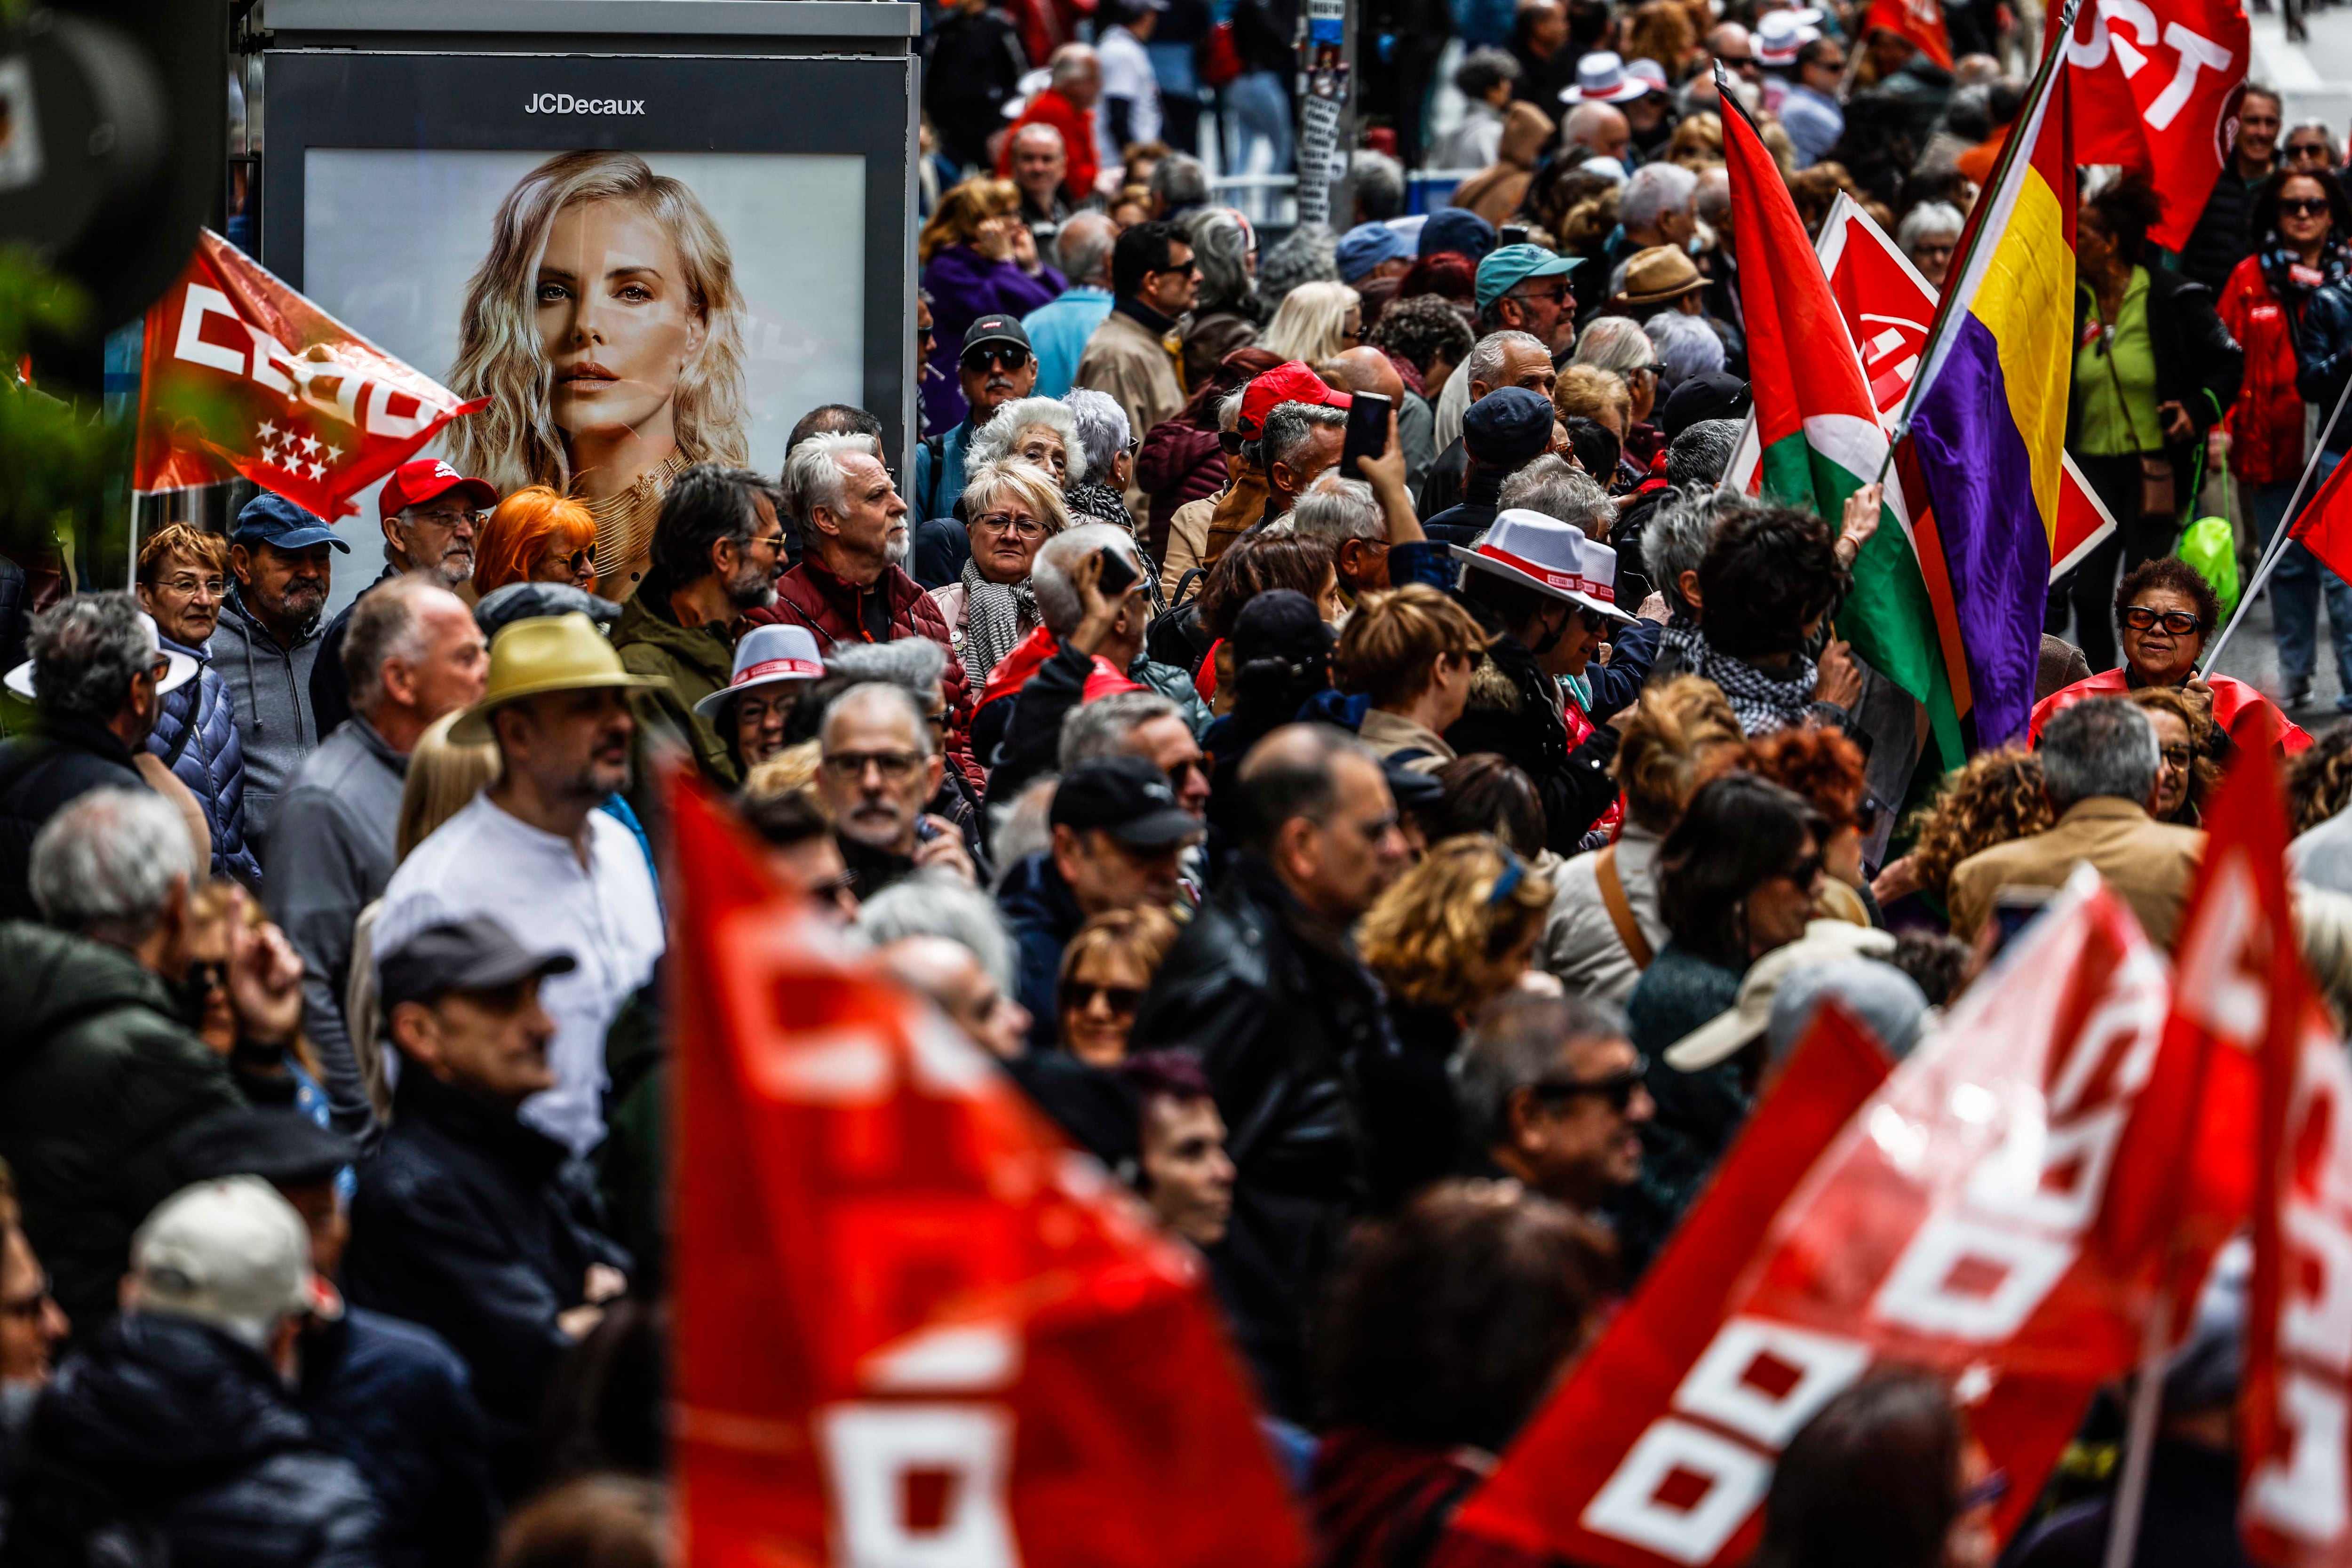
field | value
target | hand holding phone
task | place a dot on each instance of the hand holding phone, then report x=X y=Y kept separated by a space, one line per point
x=1367 y=430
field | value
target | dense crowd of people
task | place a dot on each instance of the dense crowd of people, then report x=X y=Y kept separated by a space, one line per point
x=1404 y=869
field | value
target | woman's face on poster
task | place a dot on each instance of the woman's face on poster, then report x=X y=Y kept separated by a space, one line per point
x=616 y=316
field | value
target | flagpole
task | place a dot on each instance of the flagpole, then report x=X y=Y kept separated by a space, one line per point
x=2139 y=1444
x=2276 y=548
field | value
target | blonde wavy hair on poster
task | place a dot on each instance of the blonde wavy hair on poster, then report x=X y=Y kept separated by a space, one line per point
x=500 y=356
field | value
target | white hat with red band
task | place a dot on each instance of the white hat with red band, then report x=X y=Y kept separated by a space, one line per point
x=768 y=656
x=1551 y=556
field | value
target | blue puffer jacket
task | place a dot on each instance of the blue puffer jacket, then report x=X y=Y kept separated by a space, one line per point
x=197 y=731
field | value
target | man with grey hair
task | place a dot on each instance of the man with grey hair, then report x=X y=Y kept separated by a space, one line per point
x=1379 y=184
x=1140 y=724
x=1039 y=162
x=1686 y=346
x=1068 y=104
x=1550 y=1092
x=1301 y=441
x=1551 y=486
x=1180 y=186
x=1497 y=359
x=849 y=586
x=878 y=769
x=97 y=678
x=1344 y=514
x=413 y=654
x=2099 y=766
x=1654 y=207
x=1058 y=330
x=102 y=1070
x=1681 y=527
x=1927 y=236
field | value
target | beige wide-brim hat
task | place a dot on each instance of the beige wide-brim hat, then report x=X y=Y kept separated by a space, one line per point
x=1659 y=275
x=544 y=654
x=1721 y=1036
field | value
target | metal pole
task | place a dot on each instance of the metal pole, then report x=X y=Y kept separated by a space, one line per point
x=2277 y=546
x=2147 y=1403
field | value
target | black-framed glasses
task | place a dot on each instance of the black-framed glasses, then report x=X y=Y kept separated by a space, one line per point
x=2301 y=207
x=2179 y=622
x=2307 y=150
x=580 y=563
x=1186 y=767
x=1027 y=527
x=1004 y=359
x=1123 y=999
x=206 y=975
x=1616 y=1087
x=1807 y=871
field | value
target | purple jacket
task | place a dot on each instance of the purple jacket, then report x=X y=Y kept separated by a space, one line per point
x=965 y=286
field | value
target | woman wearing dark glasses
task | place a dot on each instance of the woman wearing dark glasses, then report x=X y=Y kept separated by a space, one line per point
x=2167 y=612
x=2303 y=218
x=536 y=536
x=1106 y=970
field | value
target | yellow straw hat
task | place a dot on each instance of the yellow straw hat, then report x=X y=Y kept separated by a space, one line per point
x=546 y=653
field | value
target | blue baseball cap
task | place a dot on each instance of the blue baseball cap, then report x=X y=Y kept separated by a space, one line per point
x=1365 y=247
x=1459 y=230
x=1509 y=426
x=269 y=518
x=1507 y=269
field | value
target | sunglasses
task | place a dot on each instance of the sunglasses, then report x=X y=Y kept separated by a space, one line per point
x=1617 y=1088
x=206 y=975
x=1179 y=772
x=1123 y=999
x=896 y=766
x=2306 y=149
x=2301 y=207
x=978 y=360
x=580 y=563
x=1807 y=871
x=2179 y=622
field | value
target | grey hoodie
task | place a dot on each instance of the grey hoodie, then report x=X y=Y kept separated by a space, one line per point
x=270 y=697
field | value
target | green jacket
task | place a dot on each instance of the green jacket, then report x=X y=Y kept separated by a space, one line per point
x=98 y=1075
x=696 y=661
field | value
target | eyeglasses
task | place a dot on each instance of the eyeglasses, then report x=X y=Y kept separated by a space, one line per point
x=1807 y=871
x=1027 y=527
x=2177 y=755
x=2301 y=207
x=1617 y=1088
x=467 y=519
x=2179 y=622
x=580 y=563
x=1984 y=1494
x=206 y=975
x=1555 y=295
x=1190 y=268
x=1009 y=360
x=1078 y=996
x=896 y=767
x=185 y=583
x=2306 y=150
x=770 y=540
x=1188 y=768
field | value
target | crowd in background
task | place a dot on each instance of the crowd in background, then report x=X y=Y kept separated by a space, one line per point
x=1400 y=848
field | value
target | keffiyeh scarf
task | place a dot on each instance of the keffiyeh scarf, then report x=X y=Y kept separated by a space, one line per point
x=997 y=616
x=1762 y=703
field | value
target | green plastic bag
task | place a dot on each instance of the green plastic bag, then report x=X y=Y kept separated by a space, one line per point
x=2210 y=547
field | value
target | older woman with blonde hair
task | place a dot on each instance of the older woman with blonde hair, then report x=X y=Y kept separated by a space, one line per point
x=604 y=327
x=977 y=260
x=1105 y=969
x=536 y=536
x=1316 y=321
x=1604 y=925
x=1449 y=936
x=1014 y=507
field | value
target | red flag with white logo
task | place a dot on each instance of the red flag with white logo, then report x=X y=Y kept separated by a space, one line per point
x=1920 y=21
x=244 y=375
x=1957 y=1222
x=914 y=1326
x=2155 y=86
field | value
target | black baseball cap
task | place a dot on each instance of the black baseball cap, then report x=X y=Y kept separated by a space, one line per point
x=476 y=954
x=996 y=329
x=274 y=1143
x=1127 y=798
x=1284 y=624
x=1715 y=396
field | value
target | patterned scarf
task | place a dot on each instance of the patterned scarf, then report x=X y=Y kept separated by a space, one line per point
x=997 y=616
x=1099 y=501
x=1763 y=703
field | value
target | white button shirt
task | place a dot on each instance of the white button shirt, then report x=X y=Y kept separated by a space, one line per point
x=606 y=914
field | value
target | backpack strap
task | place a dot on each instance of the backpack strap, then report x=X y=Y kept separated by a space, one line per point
x=1620 y=907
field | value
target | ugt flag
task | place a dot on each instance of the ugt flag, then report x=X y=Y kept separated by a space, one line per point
x=914 y=1326
x=243 y=375
x=2155 y=85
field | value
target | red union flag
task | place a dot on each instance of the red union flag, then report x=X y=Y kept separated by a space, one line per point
x=913 y=1325
x=1920 y=21
x=2155 y=86
x=243 y=375
x=1957 y=1222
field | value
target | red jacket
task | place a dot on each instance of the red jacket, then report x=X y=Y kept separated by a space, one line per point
x=891 y=608
x=2267 y=422
x=2243 y=712
x=1048 y=107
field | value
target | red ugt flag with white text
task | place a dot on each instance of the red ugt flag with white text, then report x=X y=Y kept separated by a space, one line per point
x=2155 y=85
x=914 y=1326
x=243 y=375
x=1960 y=1221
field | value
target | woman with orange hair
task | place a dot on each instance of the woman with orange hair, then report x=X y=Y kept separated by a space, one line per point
x=537 y=536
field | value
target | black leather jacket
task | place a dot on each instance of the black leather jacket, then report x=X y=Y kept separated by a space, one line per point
x=2197 y=364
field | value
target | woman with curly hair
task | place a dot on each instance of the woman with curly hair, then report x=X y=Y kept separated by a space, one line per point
x=1825 y=768
x=2186 y=773
x=2166 y=613
x=1993 y=798
x=1448 y=937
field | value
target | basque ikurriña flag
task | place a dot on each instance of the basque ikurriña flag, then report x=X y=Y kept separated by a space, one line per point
x=1987 y=418
x=1817 y=424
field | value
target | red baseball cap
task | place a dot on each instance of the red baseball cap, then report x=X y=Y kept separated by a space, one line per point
x=1291 y=383
x=414 y=484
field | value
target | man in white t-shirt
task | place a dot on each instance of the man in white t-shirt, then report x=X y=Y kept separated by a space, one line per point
x=1129 y=110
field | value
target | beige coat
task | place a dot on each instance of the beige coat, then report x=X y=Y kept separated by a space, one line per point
x=1138 y=371
x=2148 y=864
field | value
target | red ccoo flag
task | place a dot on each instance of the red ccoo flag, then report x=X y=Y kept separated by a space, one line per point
x=244 y=375
x=913 y=1325
x=1920 y=21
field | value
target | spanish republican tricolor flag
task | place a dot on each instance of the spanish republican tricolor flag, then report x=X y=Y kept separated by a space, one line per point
x=1987 y=418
